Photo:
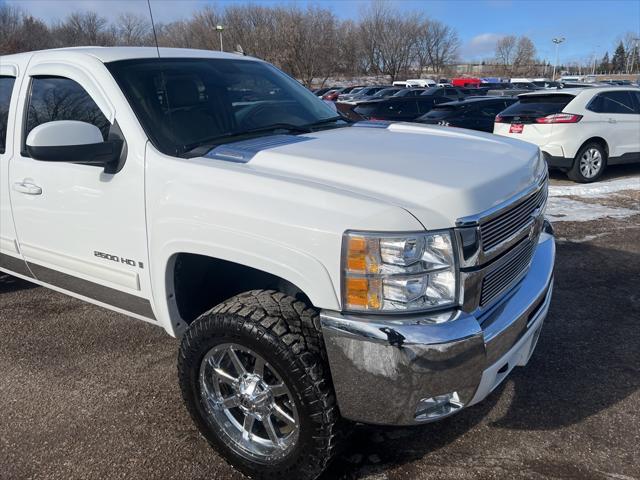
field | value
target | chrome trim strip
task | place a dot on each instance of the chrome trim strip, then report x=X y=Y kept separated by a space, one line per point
x=469 y=237
x=473 y=220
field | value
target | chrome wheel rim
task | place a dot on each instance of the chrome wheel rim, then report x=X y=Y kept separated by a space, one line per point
x=590 y=163
x=248 y=403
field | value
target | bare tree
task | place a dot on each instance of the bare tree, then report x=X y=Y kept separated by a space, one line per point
x=10 y=25
x=84 y=28
x=524 y=60
x=389 y=39
x=437 y=45
x=506 y=49
x=132 y=29
x=203 y=29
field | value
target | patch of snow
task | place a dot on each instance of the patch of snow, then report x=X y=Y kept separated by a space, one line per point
x=597 y=189
x=560 y=209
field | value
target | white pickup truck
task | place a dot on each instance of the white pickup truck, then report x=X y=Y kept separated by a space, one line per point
x=317 y=271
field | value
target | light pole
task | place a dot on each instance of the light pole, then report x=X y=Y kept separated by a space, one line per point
x=557 y=41
x=634 y=55
x=219 y=28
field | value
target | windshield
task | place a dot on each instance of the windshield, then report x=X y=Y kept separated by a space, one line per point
x=185 y=103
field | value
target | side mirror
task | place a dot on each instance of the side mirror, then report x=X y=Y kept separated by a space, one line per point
x=73 y=142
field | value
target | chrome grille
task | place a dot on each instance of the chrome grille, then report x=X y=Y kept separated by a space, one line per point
x=506 y=272
x=501 y=228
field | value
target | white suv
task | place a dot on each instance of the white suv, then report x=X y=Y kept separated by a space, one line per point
x=579 y=131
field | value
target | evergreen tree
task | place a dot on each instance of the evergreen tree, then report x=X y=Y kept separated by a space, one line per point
x=618 y=62
x=605 y=63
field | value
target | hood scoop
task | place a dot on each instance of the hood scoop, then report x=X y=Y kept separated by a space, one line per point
x=245 y=150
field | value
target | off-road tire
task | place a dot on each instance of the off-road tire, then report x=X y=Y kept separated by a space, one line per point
x=286 y=332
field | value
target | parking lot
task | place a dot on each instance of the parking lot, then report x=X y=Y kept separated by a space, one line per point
x=88 y=393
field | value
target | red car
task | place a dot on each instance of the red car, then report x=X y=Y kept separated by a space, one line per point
x=466 y=82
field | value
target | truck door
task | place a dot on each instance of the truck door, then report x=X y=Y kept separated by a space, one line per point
x=80 y=229
x=10 y=258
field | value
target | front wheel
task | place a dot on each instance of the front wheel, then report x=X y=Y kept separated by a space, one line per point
x=256 y=383
x=589 y=164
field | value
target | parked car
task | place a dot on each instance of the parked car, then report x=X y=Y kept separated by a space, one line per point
x=321 y=91
x=510 y=90
x=580 y=131
x=545 y=83
x=466 y=82
x=476 y=113
x=580 y=85
x=332 y=95
x=396 y=109
x=360 y=93
x=313 y=270
x=409 y=92
x=387 y=92
x=525 y=85
x=451 y=93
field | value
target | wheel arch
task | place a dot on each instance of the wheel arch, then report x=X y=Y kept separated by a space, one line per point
x=196 y=280
x=599 y=140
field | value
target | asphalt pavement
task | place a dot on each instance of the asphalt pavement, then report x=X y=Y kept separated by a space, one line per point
x=86 y=393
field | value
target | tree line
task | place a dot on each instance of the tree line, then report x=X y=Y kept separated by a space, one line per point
x=311 y=43
x=626 y=57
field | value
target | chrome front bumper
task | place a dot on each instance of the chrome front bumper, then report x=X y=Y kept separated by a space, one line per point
x=414 y=369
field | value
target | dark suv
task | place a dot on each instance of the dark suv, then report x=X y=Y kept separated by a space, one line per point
x=476 y=113
x=394 y=108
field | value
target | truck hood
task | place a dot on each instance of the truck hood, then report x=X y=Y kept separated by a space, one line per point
x=438 y=174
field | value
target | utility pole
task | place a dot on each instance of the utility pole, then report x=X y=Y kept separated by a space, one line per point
x=557 y=41
x=219 y=29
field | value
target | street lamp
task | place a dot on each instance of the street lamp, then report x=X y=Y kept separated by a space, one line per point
x=634 y=54
x=557 y=41
x=219 y=28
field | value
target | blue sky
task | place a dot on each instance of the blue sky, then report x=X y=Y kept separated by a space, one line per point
x=589 y=26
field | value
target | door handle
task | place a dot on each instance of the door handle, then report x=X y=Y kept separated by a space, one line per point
x=612 y=120
x=27 y=188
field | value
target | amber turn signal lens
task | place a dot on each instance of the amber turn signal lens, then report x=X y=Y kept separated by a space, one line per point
x=357 y=254
x=362 y=293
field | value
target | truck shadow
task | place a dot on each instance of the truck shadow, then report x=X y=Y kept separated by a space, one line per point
x=585 y=363
x=9 y=283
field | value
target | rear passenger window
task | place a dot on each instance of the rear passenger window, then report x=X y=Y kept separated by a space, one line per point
x=490 y=110
x=58 y=98
x=6 y=87
x=613 y=102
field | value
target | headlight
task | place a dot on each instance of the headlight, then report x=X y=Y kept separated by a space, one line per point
x=391 y=273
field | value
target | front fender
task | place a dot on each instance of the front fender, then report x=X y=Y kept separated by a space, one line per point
x=299 y=268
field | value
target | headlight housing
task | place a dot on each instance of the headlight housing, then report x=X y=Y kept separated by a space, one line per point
x=398 y=272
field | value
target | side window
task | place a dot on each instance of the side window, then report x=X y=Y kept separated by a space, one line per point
x=6 y=87
x=58 y=98
x=613 y=102
x=637 y=95
x=490 y=110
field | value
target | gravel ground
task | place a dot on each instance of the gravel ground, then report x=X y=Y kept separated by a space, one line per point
x=87 y=393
